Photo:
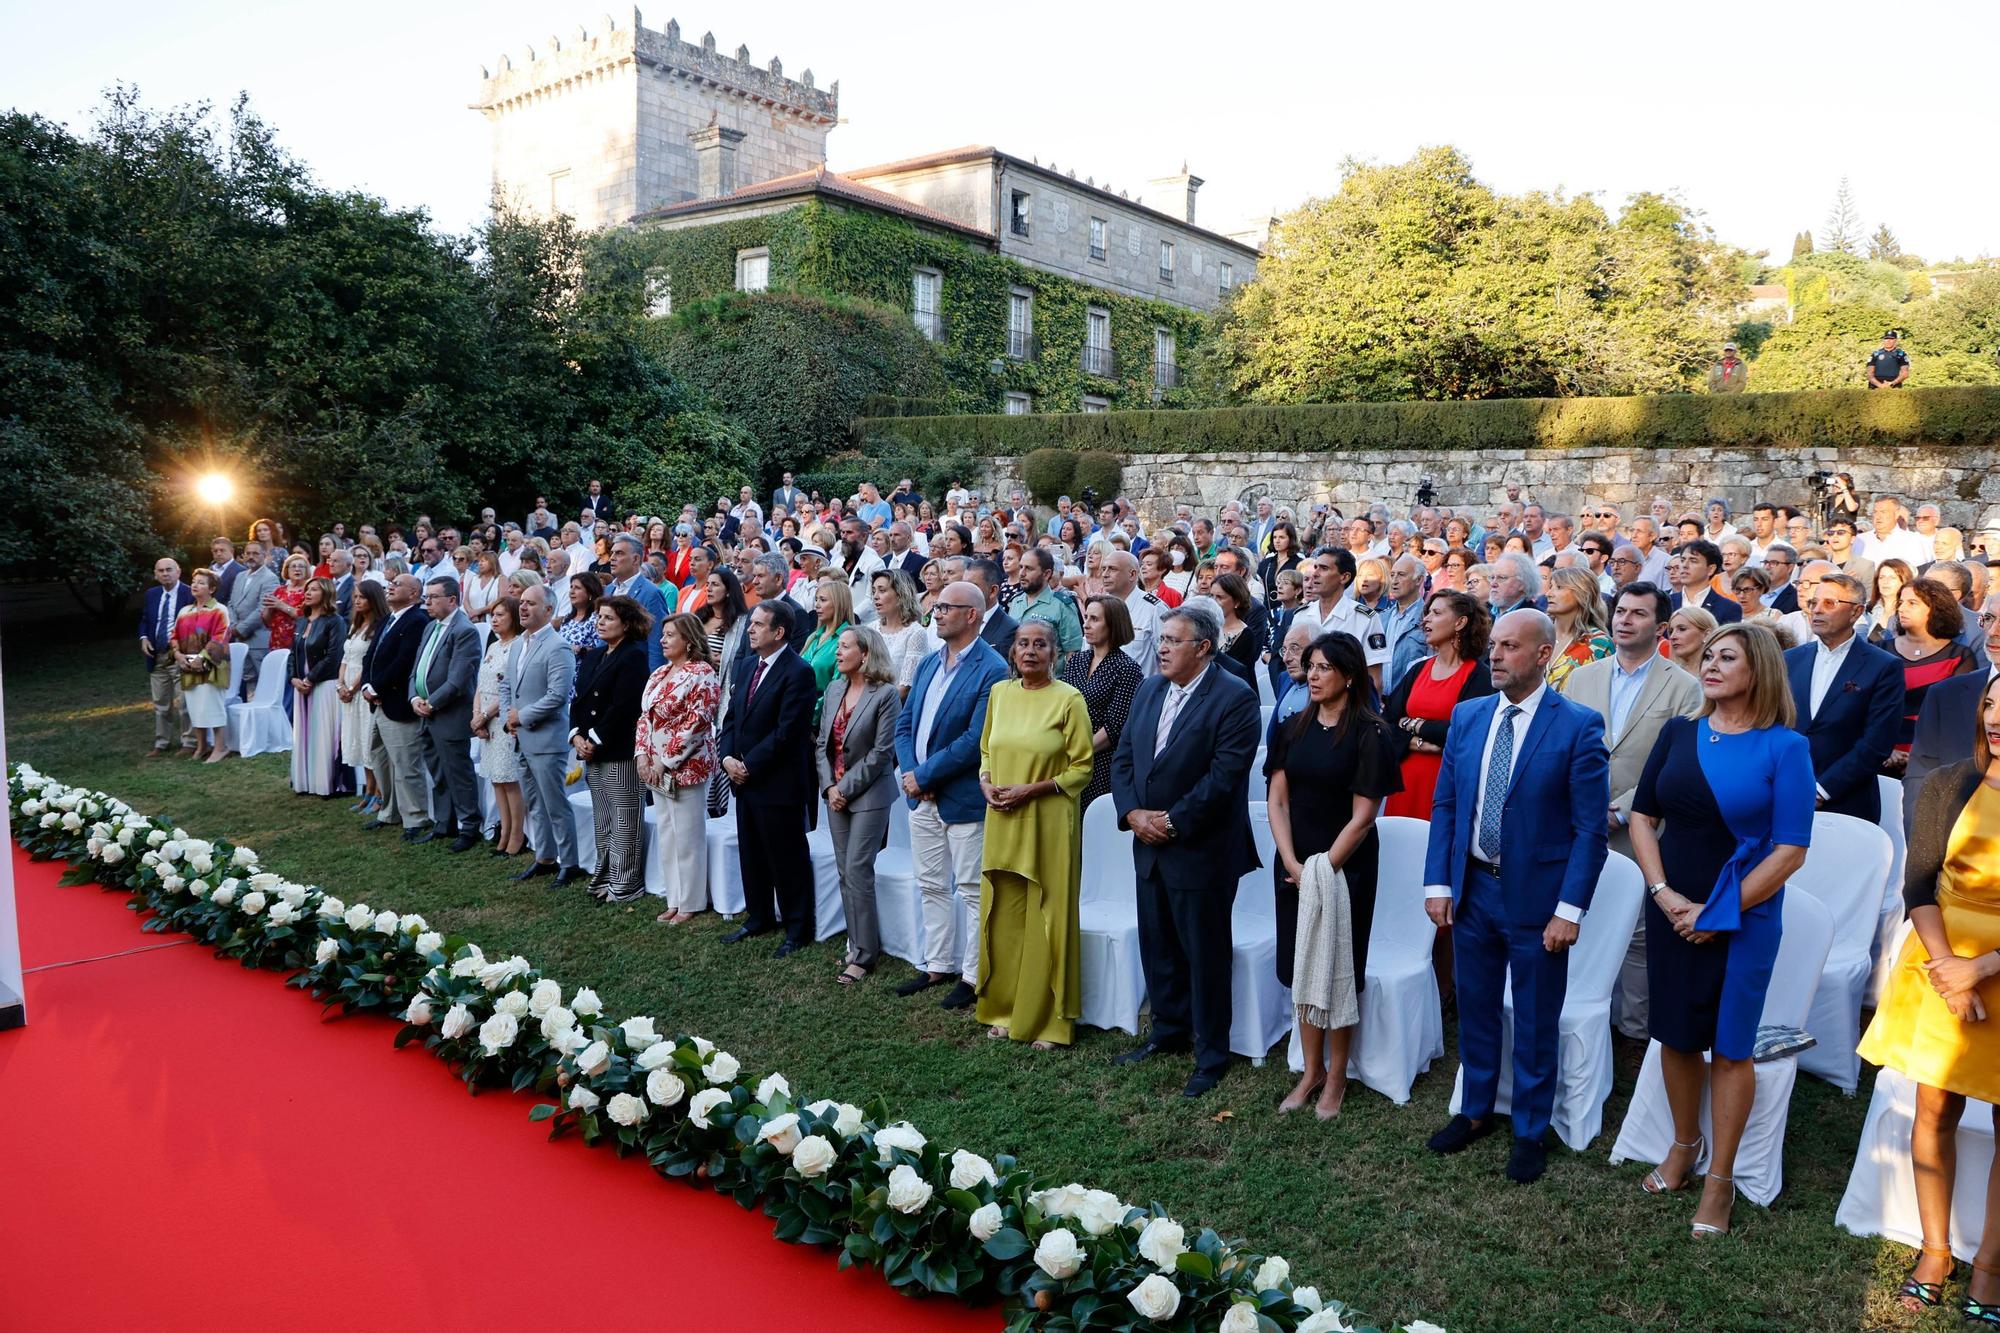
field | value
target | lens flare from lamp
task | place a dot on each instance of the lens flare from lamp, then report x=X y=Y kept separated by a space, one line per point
x=214 y=488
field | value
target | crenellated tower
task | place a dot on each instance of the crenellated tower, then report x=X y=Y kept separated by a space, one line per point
x=602 y=125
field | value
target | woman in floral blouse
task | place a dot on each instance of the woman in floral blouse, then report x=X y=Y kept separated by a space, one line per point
x=675 y=749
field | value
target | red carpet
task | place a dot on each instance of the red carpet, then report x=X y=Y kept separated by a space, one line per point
x=184 y=1144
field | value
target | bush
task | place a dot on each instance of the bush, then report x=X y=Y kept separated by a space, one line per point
x=1048 y=473
x=1100 y=472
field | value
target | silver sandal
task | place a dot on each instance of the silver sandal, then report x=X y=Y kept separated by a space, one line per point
x=1709 y=1228
x=1655 y=1183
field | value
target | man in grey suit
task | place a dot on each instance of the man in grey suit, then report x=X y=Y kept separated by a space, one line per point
x=1635 y=691
x=534 y=694
x=441 y=688
x=254 y=583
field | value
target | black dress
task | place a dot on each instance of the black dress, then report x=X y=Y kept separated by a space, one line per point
x=1324 y=772
x=1108 y=695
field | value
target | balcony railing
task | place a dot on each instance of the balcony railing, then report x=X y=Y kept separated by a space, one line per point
x=1019 y=225
x=1166 y=274
x=931 y=324
x=1100 y=362
x=1096 y=251
x=1022 y=346
x=1166 y=374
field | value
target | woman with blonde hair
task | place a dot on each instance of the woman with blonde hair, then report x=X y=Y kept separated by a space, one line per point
x=484 y=586
x=833 y=609
x=1577 y=608
x=855 y=754
x=1687 y=630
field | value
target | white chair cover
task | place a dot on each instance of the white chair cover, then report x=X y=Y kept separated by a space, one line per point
x=1648 y=1131
x=1402 y=1019
x=1881 y=1197
x=1267 y=694
x=1260 y=1007
x=1892 y=893
x=725 y=873
x=1114 y=981
x=259 y=725
x=238 y=654
x=899 y=909
x=1847 y=868
x=1584 y=1050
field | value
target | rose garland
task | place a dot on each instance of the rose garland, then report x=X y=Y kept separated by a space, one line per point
x=828 y=1173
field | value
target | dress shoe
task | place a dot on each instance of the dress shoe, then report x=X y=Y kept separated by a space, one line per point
x=464 y=842
x=787 y=949
x=1459 y=1134
x=157 y=752
x=741 y=933
x=569 y=875
x=921 y=982
x=959 y=997
x=1200 y=1083
x=1146 y=1051
x=374 y=824
x=416 y=839
x=1527 y=1162
x=535 y=868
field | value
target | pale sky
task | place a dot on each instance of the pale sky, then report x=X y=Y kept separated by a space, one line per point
x=1751 y=112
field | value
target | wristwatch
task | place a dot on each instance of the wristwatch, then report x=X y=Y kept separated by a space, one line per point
x=1654 y=890
x=1167 y=819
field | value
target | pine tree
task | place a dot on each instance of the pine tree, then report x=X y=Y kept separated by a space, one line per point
x=1802 y=245
x=1883 y=245
x=1843 y=223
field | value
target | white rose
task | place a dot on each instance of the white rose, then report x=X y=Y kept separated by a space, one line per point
x=586 y=1004
x=358 y=917
x=664 y=1088
x=412 y=924
x=222 y=897
x=155 y=838
x=702 y=1046
x=471 y=963
x=93 y=846
x=170 y=851
x=986 y=1221
x=721 y=1067
x=74 y=821
x=1064 y=1202
x=327 y=951
x=30 y=808
x=429 y=942
x=496 y=974
x=384 y=923
x=253 y=903
x=582 y=1099
x=814 y=1156
x=1242 y=1318
x=625 y=1109
x=545 y=996
x=969 y=1169
x=497 y=1033
x=594 y=1059
x=112 y=854
x=51 y=819
x=556 y=1022
x=1272 y=1275
x=774 y=1085
x=1324 y=1321
x=908 y=1191
x=264 y=881
x=174 y=884
x=1422 y=1326
x=846 y=1119
x=639 y=1032
x=419 y=1011
x=657 y=1056
x=1307 y=1297
x=201 y=861
x=781 y=1132
x=570 y=1040
x=282 y=912
x=702 y=1103
x=513 y=1003
x=457 y=1022
x=1058 y=1254
x=124 y=837
x=1162 y=1242
x=243 y=856
x=902 y=1135
x=1157 y=1298
x=1102 y=1212
x=331 y=908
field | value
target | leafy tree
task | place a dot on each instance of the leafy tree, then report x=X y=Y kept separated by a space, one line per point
x=1802 y=245
x=1884 y=246
x=1843 y=222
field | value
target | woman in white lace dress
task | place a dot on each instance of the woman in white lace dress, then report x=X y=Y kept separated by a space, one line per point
x=901 y=623
x=499 y=756
x=357 y=719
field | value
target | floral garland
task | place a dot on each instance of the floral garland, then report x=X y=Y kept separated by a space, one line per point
x=828 y=1173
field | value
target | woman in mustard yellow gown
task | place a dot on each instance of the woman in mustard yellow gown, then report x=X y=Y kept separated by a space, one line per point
x=1034 y=762
x=1939 y=1020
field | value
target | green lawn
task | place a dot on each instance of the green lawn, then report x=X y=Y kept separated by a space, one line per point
x=1358 y=1206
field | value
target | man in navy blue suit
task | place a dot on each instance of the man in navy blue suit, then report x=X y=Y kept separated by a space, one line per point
x=1692 y=569
x=628 y=579
x=1849 y=698
x=1517 y=840
x=1180 y=780
x=156 y=644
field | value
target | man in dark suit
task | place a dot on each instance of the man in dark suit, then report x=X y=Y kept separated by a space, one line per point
x=766 y=749
x=1180 y=780
x=397 y=756
x=902 y=554
x=1517 y=839
x=628 y=579
x=442 y=682
x=156 y=645
x=598 y=501
x=1849 y=699
x=1691 y=569
x=342 y=566
x=1781 y=562
x=998 y=627
x=222 y=559
x=1950 y=715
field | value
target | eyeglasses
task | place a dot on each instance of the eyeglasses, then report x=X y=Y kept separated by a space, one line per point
x=955 y=606
x=1828 y=603
x=1987 y=619
x=1169 y=641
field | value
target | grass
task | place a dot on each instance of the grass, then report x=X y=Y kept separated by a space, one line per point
x=1358 y=1206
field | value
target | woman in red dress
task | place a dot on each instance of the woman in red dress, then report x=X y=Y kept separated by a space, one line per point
x=1419 y=708
x=285 y=604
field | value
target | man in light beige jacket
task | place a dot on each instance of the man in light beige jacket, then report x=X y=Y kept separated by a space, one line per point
x=1635 y=690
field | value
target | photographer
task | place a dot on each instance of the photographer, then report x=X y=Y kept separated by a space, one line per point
x=1834 y=497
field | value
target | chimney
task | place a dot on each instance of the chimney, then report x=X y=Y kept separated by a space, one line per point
x=715 y=160
x=1174 y=194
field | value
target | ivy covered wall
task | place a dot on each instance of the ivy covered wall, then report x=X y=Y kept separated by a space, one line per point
x=826 y=250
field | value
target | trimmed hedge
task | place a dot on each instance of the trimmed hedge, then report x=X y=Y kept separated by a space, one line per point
x=1835 y=418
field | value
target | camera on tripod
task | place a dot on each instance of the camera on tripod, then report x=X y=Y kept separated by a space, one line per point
x=1427 y=494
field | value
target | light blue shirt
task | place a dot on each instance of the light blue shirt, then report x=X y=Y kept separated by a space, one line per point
x=1407 y=645
x=876 y=515
x=1296 y=698
x=1626 y=687
x=940 y=683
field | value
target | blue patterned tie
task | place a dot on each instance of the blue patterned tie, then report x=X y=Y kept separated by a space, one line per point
x=1499 y=771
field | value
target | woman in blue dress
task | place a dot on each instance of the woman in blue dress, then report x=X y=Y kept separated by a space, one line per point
x=1721 y=818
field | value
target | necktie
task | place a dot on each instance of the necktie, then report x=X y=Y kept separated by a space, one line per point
x=1499 y=771
x=424 y=661
x=1168 y=712
x=756 y=678
x=166 y=609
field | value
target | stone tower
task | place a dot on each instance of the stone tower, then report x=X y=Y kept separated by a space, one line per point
x=602 y=125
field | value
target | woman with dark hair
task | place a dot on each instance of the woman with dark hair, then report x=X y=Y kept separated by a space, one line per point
x=675 y=756
x=1107 y=678
x=1928 y=619
x=1331 y=767
x=1885 y=596
x=201 y=650
x=316 y=712
x=1284 y=553
x=722 y=617
x=357 y=720
x=604 y=725
x=1232 y=594
x=499 y=752
x=578 y=629
x=1936 y=1021
x=1418 y=710
x=1181 y=564
x=1458 y=562
x=1070 y=534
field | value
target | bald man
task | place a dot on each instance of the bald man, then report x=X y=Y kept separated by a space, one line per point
x=156 y=644
x=1121 y=580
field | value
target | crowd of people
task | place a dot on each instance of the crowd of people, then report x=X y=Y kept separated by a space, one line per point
x=1684 y=687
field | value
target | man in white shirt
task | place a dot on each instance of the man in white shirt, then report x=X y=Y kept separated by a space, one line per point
x=1652 y=555
x=581 y=553
x=1889 y=540
x=1926 y=523
x=1534 y=526
x=1327 y=576
x=1763 y=530
x=558 y=578
x=1362 y=543
x=1120 y=571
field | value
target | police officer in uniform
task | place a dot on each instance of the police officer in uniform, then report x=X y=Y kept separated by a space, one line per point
x=1888 y=365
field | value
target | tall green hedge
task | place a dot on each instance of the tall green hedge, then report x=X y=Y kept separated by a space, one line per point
x=1834 y=418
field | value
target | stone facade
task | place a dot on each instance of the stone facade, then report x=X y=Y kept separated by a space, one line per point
x=601 y=125
x=1961 y=481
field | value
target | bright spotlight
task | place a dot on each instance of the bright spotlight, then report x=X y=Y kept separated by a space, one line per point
x=214 y=489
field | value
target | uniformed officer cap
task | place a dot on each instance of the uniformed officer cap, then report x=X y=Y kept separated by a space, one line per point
x=1890 y=333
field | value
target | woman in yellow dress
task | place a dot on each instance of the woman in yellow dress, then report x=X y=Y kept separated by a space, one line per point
x=1939 y=1020
x=1034 y=762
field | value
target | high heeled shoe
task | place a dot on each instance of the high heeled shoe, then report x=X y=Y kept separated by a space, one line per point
x=1928 y=1294
x=1701 y=1229
x=1655 y=1183
x=1986 y=1314
x=1312 y=1094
